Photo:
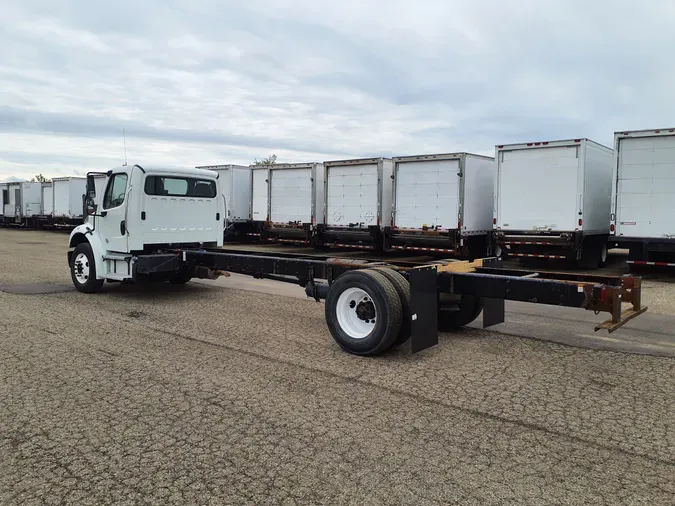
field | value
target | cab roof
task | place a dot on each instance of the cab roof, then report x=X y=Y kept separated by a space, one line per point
x=185 y=171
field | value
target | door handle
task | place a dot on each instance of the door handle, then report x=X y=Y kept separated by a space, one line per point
x=123 y=228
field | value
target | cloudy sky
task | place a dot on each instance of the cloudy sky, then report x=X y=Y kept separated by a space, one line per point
x=206 y=81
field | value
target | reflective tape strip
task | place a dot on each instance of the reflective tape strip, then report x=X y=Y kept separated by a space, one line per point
x=657 y=264
x=536 y=255
x=414 y=248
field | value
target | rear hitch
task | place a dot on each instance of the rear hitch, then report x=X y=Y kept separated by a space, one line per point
x=609 y=299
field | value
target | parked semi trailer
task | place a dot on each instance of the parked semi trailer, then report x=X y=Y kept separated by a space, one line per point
x=235 y=185
x=288 y=201
x=67 y=193
x=370 y=306
x=357 y=203
x=554 y=200
x=443 y=203
x=643 y=197
x=22 y=203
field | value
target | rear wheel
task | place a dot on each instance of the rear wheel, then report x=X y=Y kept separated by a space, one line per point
x=83 y=270
x=457 y=311
x=363 y=312
x=402 y=287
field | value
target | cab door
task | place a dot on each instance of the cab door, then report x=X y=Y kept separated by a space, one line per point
x=112 y=223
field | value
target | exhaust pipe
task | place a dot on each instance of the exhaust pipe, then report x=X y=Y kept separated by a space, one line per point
x=206 y=273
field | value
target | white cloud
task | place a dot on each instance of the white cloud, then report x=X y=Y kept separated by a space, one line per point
x=202 y=81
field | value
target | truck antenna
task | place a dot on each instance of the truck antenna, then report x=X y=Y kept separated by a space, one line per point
x=124 y=136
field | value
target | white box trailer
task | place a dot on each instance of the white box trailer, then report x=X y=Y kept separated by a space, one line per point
x=357 y=202
x=443 y=203
x=67 y=194
x=24 y=202
x=554 y=200
x=235 y=185
x=287 y=200
x=643 y=195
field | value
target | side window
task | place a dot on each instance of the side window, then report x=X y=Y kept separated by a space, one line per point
x=114 y=193
x=180 y=187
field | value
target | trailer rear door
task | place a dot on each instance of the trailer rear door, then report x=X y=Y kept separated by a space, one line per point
x=427 y=194
x=260 y=195
x=645 y=202
x=352 y=196
x=61 y=197
x=538 y=188
x=291 y=195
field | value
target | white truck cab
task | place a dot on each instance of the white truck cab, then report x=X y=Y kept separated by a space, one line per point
x=143 y=210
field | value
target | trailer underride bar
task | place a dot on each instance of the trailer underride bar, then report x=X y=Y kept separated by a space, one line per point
x=485 y=278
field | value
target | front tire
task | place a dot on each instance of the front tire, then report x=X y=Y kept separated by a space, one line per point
x=363 y=312
x=83 y=270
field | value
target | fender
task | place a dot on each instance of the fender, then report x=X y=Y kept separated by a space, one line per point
x=84 y=233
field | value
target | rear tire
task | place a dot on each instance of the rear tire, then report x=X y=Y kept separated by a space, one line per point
x=468 y=308
x=402 y=287
x=363 y=312
x=83 y=270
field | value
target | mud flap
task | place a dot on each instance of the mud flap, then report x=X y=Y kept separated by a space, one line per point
x=493 y=312
x=424 y=308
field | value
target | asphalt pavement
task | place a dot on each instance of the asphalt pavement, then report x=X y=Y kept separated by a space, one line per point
x=214 y=394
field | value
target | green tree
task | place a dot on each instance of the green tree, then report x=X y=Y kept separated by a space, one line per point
x=39 y=179
x=269 y=160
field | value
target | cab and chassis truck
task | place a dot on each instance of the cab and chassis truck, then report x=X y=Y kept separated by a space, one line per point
x=165 y=225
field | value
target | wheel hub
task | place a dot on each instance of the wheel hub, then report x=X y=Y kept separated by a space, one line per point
x=82 y=268
x=365 y=310
x=356 y=313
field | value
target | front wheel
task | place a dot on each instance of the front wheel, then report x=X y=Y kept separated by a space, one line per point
x=83 y=270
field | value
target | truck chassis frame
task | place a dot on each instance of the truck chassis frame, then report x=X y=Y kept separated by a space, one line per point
x=485 y=279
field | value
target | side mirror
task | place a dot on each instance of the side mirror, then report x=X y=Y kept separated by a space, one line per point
x=91 y=187
x=88 y=204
